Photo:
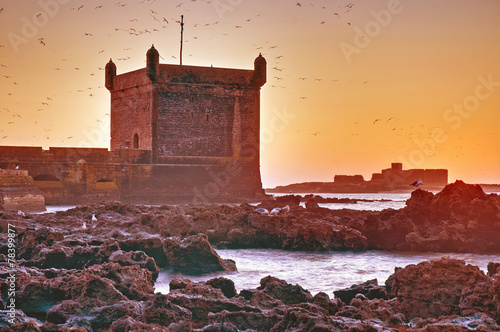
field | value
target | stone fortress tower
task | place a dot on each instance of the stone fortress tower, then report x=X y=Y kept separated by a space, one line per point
x=191 y=115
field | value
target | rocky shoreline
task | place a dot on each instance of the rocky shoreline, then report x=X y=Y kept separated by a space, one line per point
x=80 y=273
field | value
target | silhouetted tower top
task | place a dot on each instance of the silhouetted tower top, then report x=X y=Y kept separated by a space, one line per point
x=260 y=68
x=110 y=71
x=153 y=63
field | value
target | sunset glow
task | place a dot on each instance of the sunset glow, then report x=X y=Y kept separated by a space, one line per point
x=351 y=87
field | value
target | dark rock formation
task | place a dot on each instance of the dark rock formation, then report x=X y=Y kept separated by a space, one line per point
x=194 y=255
x=225 y=285
x=439 y=295
x=369 y=288
x=460 y=218
x=283 y=291
x=101 y=276
x=432 y=289
x=135 y=258
x=493 y=268
x=151 y=245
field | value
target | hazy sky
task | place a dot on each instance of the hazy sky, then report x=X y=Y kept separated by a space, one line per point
x=352 y=86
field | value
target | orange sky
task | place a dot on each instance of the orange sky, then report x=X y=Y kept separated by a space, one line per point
x=352 y=86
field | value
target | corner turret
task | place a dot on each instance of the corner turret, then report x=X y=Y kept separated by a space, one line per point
x=153 y=63
x=260 y=71
x=110 y=71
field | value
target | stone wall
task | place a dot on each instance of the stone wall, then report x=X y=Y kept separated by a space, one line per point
x=69 y=182
x=19 y=192
x=195 y=122
x=131 y=114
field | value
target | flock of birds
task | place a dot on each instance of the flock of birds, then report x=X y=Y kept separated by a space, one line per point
x=150 y=19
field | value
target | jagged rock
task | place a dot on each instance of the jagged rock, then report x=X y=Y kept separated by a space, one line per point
x=218 y=327
x=493 y=268
x=369 y=288
x=290 y=200
x=187 y=287
x=350 y=324
x=194 y=255
x=262 y=300
x=130 y=324
x=51 y=327
x=60 y=256
x=30 y=239
x=311 y=204
x=303 y=320
x=151 y=245
x=178 y=225
x=305 y=233
x=432 y=289
x=55 y=257
x=478 y=298
x=200 y=307
x=161 y=311
x=225 y=285
x=133 y=281
x=36 y=295
x=244 y=320
x=103 y=317
x=362 y=308
x=180 y=283
x=93 y=291
x=110 y=278
x=323 y=300
x=18 y=316
x=61 y=312
x=454 y=323
x=96 y=286
x=460 y=218
x=283 y=291
x=135 y=258
x=78 y=322
x=482 y=298
x=30 y=326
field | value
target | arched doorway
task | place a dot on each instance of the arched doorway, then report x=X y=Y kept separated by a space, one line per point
x=136 y=141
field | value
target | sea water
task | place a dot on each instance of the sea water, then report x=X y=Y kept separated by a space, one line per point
x=365 y=201
x=317 y=272
x=325 y=272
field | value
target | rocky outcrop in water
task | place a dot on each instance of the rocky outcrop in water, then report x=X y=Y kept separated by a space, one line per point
x=460 y=218
x=429 y=296
x=194 y=255
x=406 y=306
x=97 y=275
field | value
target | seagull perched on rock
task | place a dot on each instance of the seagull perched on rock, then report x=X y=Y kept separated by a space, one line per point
x=275 y=211
x=93 y=217
x=417 y=183
x=262 y=211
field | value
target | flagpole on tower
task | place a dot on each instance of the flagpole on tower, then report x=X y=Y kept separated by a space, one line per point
x=182 y=36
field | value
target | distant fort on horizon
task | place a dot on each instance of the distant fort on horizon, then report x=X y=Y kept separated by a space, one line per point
x=389 y=179
x=178 y=133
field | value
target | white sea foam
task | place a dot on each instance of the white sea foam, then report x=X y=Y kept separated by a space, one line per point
x=317 y=272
